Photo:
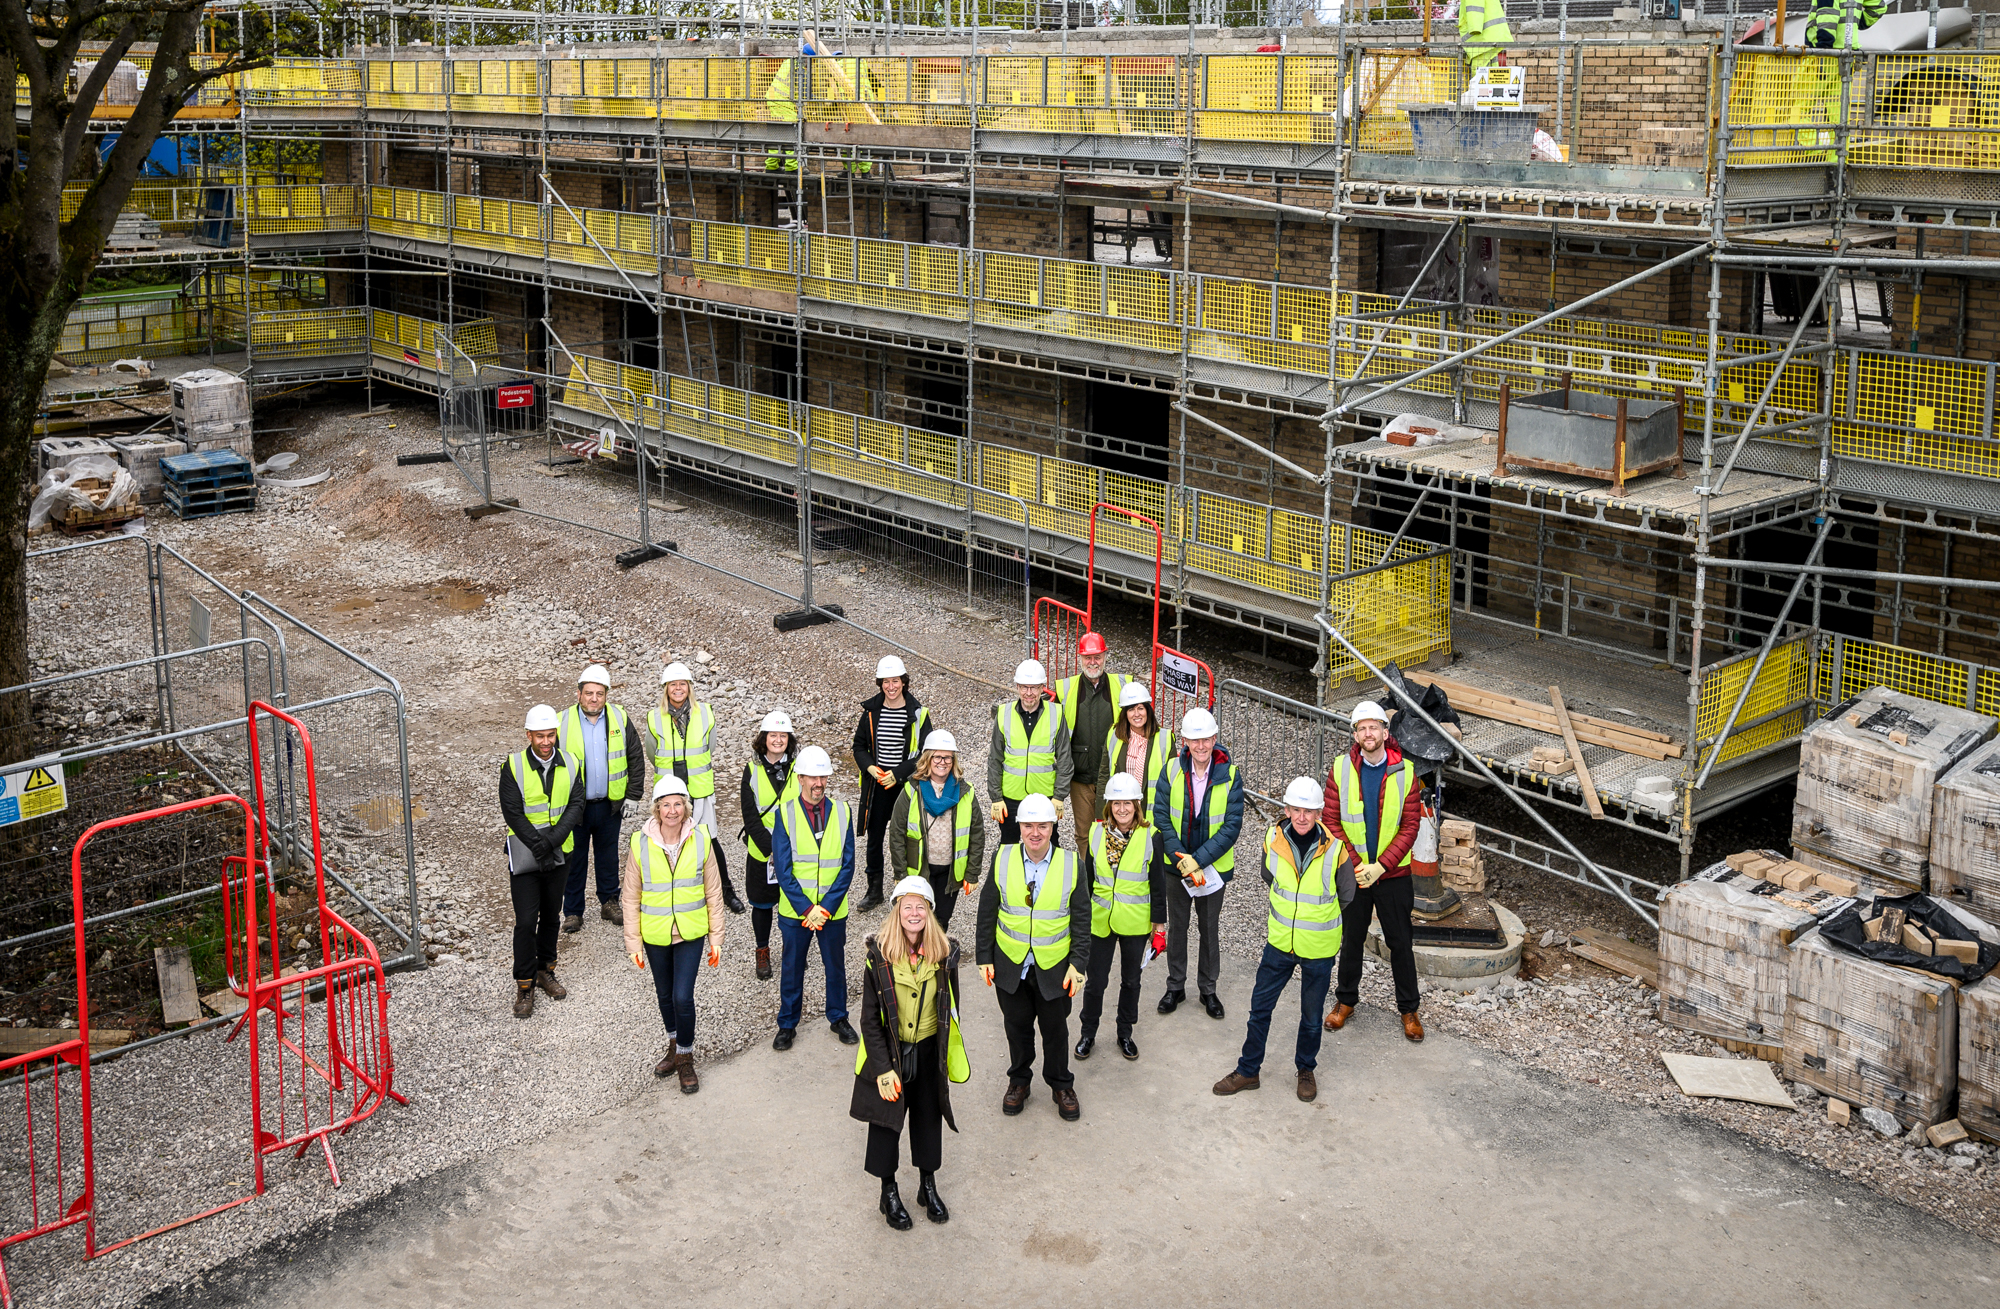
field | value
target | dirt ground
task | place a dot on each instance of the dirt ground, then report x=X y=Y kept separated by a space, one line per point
x=481 y=618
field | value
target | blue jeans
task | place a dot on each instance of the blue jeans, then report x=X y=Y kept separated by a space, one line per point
x=600 y=828
x=1274 y=971
x=674 y=968
x=797 y=943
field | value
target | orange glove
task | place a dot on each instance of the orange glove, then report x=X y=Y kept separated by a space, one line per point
x=890 y=1085
x=815 y=918
x=986 y=972
x=714 y=957
x=638 y=961
x=1073 y=980
x=999 y=811
x=883 y=777
x=965 y=887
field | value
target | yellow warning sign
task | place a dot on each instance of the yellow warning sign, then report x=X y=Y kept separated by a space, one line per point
x=32 y=792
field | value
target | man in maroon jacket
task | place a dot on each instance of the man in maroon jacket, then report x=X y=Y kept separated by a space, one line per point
x=1373 y=806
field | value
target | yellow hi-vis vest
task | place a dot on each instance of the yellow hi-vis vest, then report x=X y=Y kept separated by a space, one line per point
x=1042 y=926
x=545 y=809
x=672 y=895
x=1159 y=749
x=768 y=799
x=1483 y=20
x=1029 y=758
x=1216 y=802
x=695 y=751
x=615 y=725
x=1068 y=695
x=1121 y=899
x=778 y=96
x=961 y=834
x=957 y=1067
x=1353 y=818
x=816 y=863
x=1305 y=906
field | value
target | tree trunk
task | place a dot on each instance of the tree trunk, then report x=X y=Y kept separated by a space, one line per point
x=28 y=341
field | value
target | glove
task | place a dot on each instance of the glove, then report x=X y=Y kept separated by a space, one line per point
x=1059 y=808
x=1072 y=979
x=999 y=811
x=890 y=1085
x=986 y=973
x=883 y=777
x=638 y=960
x=714 y=957
x=965 y=887
x=543 y=848
x=815 y=918
x=1185 y=862
x=1367 y=874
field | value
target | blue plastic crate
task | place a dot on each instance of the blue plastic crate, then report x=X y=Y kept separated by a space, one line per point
x=1473 y=135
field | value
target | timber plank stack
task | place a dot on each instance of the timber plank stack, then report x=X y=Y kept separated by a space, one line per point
x=1867 y=772
x=1541 y=717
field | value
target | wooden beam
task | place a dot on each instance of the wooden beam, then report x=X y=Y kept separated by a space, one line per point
x=1541 y=718
x=1576 y=753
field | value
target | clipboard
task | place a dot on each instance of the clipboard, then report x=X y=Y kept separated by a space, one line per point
x=520 y=859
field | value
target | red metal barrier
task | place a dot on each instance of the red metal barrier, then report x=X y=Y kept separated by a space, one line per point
x=1159 y=555
x=323 y=1086
x=1058 y=627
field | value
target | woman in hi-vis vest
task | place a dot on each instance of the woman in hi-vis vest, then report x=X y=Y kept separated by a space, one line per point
x=768 y=781
x=911 y=1050
x=682 y=730
x=672 y=898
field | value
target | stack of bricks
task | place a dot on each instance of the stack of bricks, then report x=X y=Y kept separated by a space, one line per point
x=1460 y=864
x=1803 y=888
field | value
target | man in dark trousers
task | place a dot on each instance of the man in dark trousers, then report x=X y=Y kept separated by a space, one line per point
x=1033 y=942
x=1373 y=806
x=541 y=799
x=1089 y=701
x=602 y=740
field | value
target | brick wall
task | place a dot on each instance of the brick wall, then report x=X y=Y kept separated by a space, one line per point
x=1975 y=634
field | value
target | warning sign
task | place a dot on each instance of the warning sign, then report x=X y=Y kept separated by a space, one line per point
x=32 y=792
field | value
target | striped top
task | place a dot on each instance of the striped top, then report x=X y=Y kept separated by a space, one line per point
x=892 y=734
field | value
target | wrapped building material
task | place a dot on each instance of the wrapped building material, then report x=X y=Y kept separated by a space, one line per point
x=1979 y=1057
x=1866 y=776
x=141 y=456
x=62 y=451
x=209 y=395
x=1871 y=1034
x=1965 y=834
x=1725 y=959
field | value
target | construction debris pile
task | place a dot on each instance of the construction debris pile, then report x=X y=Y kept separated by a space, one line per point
x=1857 y=963
x=81 y=487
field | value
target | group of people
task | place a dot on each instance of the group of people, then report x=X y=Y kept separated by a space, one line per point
x=1155 y=814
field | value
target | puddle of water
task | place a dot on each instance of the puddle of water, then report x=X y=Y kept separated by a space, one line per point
x=349 y=605
x=462 y=599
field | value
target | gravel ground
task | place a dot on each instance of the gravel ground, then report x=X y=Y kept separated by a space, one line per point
x=480 y=619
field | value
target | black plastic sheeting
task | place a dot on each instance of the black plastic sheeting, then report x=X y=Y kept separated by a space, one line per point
x=1421 y=745
x=1845 y=931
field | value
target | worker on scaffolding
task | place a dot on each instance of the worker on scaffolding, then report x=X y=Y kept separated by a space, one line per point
x=1832 y=24
x=1030 y=752
x=782 y=103
x=541 y=802
x=1373 y=807
x=1089 y=701
x=1482 y=26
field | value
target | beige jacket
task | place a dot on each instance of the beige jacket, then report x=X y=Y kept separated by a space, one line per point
x=628 y=895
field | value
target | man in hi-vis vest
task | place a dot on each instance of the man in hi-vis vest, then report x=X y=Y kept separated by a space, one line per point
x=1373 y=807
x=605 y=743
x=812 y=861
x=1033 y=942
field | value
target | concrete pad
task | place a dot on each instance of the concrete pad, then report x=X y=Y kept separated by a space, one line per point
x=1420 y=1167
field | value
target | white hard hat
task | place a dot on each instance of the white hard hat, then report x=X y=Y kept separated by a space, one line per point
x=1368 y=709
x=1304 y=793
x=1031 y=673
x=675 y=672
x=669 y=785
x=940 y=739
x=541 y=719
x=912 y=885
x=776 y=721
x=1197 y=725
x=1036 y=809
x=595 y=673
x=890 y=666
x=1123 y=786
x=1134 y=693
x=814 y=763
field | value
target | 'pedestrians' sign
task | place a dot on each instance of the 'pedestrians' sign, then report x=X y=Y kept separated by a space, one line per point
x=32 y=792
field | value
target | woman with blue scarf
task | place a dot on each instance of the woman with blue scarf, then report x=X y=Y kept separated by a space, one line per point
x=938 y=829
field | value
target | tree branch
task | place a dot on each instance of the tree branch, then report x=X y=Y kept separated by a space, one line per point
x=88 y=92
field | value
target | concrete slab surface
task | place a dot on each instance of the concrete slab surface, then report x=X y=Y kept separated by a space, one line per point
x=1422 y=1173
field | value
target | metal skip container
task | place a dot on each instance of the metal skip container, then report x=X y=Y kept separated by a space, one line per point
x=1586 y=435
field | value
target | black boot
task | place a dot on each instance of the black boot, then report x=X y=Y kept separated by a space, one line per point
x=892 y=1207
x=874 y=896
x=928 y=1197
x=730 y=900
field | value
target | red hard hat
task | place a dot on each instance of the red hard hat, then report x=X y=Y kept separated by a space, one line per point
x=1091 y=643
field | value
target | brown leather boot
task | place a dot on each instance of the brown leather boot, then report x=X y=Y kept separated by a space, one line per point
x=524 y=1000
x=1338 y=1016
x=1412 y=1028
x=763 y=965
x=1235 y=1082
x=684 y=1065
